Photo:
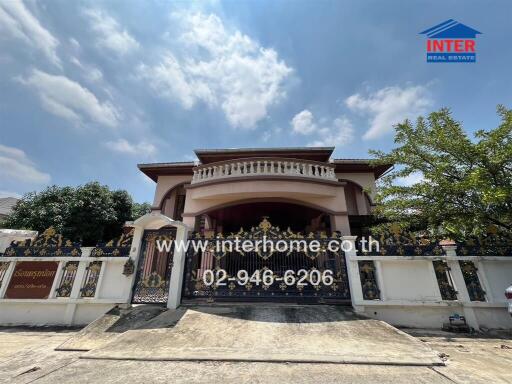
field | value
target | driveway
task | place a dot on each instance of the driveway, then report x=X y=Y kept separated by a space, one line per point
x=291 y=333
x=274 y=344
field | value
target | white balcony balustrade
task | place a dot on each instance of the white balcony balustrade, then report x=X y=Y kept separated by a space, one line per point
x=263 y=167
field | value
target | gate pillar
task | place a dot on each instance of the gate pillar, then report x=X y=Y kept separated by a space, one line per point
x=138 y=232
x=354 y=278
x=178 y=268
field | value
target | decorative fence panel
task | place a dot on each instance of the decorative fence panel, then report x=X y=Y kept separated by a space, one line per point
x=369 y=284
x=155 y=267
x=265 y=272
x=92 y=275
x=469 y=272
x=444 y=280
x=67 y=279
x=3 y=270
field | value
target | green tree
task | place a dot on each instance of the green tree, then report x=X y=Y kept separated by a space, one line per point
x=464 y=185
x=42 y=210
x=140 y=209
x=90 y=212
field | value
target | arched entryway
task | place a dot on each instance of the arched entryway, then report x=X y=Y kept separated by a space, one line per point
x=282 y=214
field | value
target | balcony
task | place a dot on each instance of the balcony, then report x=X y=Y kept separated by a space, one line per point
x=263 y=167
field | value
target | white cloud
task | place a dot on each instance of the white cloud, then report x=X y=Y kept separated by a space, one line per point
x=140 y=149
x=110 y=34
x=341 y=132
x=15 y=165
x=221 y=68
x=303 y=123
x=90 y=72
x=389 y=106
x=74 y=43
x=69 y=100
x=17 y=21
x=338 y=132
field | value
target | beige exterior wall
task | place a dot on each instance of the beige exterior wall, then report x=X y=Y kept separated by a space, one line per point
x=364 y=179
x=327 y=196
x=338 y=200
x=324 y=196
x=166 y=183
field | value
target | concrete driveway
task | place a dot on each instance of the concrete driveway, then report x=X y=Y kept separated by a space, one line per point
x=291 y=333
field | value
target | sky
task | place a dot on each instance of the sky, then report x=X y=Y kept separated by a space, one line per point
x=90 y=89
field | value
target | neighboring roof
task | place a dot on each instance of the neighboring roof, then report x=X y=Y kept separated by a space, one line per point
x=154 y=170
x=451 y=29
x=360 y=165
x=7 y=204
x=307 y=153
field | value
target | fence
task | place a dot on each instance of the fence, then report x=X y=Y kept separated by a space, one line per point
x=404 y=285
x=50 y=280
x=425 y=287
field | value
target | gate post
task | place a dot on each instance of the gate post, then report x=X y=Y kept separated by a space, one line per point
x=354 y=280
x=460 y=286
x=178 y=268
x=135 y=250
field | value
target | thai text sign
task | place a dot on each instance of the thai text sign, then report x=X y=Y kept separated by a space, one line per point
x=32 y=280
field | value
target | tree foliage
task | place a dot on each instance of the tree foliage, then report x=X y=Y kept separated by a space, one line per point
x=463 y=185
x=90 y=212
x=140 y=209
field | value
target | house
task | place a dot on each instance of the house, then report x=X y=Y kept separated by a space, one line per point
x=301 y=188
x=253 y=194
x=264 y=198
x=6 y=206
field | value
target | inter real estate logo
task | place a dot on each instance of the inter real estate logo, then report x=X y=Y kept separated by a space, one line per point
x=451 y=42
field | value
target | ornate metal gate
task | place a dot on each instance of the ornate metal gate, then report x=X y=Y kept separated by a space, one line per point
x=154 y=267
x=298 y=274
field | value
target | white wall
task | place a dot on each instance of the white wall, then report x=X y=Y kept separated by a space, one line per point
x=408 y=280
x=410 y=293
x=112 y=288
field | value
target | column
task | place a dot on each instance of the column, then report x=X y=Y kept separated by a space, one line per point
x=460 y=286
x=340 y=223
x=189 y=221
x=178 y=269
x=135 y=250
x=354 y=280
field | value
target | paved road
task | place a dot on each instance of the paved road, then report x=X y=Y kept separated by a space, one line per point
x=28 y=356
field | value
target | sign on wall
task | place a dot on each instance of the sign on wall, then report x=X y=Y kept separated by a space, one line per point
x=32 y=280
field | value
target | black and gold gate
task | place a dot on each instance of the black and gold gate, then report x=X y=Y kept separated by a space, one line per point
x=290 y=269
x=154 y=267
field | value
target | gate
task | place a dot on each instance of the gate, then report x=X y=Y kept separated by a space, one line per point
x=154 y=268
x=217 y=273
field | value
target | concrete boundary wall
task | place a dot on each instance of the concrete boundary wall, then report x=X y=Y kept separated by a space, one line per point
x=409 y=291
x=410 y=294
x=112 y=288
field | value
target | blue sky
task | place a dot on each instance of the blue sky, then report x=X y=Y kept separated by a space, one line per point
x=90 y=89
